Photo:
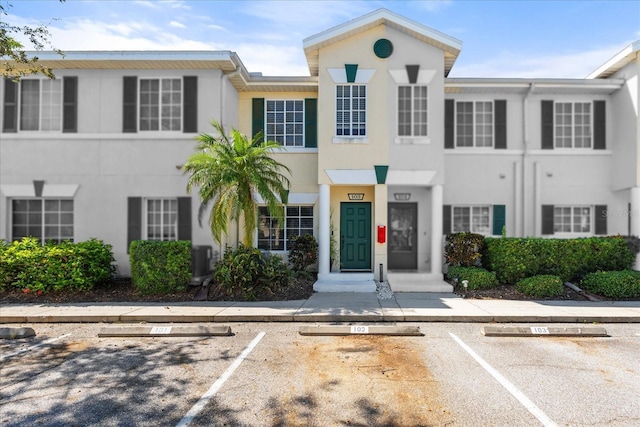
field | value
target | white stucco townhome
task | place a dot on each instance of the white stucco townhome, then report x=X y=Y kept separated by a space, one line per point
x=387 y=153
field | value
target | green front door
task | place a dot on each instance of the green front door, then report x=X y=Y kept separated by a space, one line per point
x=355 y=236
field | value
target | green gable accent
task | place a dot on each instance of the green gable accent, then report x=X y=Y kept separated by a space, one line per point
x=381 y=173
x=352 y=70
x=257 y=116
x=310 y=122
x=383 y=48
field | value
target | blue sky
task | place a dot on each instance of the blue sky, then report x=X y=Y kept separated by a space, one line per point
x=517 y=38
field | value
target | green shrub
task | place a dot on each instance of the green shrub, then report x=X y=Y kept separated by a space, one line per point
x=464 y=249
x=159 y=267
x=514 y=259
x=26 y=264
x=541 y=286
x=510 y=258
x=275 y=274
x=478 y=278
x=304 y=252
x=613 y=284
x=244 y=274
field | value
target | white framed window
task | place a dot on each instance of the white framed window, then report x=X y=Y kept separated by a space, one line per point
x=40 y=104
x=285 y=122
x=273 y=236
x=161 y=219
x=351 y=110
x=474 y=219
x=573 y=125
x=474 y=124
x=572 y=219
x=412 y=110
x=160 y=106
x=44 y=219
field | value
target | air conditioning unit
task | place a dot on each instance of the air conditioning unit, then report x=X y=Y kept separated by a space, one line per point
x=201 y=263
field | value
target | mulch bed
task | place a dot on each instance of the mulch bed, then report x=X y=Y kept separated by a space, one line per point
x=509 y=292
x=122 y=290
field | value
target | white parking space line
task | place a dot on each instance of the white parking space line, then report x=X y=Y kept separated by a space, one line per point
x=24 y=350
x=200 y=404
x=524 y=400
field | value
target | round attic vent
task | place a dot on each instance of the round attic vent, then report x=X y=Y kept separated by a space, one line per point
x=383 y=48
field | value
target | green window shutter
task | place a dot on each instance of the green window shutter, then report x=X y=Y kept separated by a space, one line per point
x=446 y=219
x=70 y=105
x=257 y=113
x=184 y=218
x=599 y=125
x=310 y=122
x=134 y=220
x=449 y=123
x=601 y=219
x=547 y=219
x=129 y=105
x=352 y=71
x=500 y=124
x=190 y=110
x=10 y=106
x=499 y=219
x=547 y=124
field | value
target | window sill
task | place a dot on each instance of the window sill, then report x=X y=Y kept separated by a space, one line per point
x=412 y=140
x=353 y=140
x=286 y=150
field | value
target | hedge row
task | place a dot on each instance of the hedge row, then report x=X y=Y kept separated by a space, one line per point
x=32 y=267
x=613 y=284
x=514 y=259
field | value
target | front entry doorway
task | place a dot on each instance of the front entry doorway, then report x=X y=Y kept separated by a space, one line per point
x=355 y=236
x=403 y=236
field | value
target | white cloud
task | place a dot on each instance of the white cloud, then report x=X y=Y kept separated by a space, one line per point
x=176 y=24
x=273 y=60
x=522 y=65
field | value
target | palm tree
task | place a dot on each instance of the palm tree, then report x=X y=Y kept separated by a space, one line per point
x=229 y=170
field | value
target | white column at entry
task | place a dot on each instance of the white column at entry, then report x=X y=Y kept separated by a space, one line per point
x=324 y=230
x=436 y=229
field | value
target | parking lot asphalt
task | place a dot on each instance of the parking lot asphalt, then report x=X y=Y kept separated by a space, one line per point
x=333 y=307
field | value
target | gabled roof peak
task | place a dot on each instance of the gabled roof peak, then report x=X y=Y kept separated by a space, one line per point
x=449 y=45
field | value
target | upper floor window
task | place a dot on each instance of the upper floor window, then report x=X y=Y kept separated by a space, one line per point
x=49 y=105
x=285 y=122
x=41 y=104
x=573 y=125
x=44 y=219
x=161 y=104
x=273 y=236
x=474 y=124
x=412 y=110
x=566 y=125
x=351 y=110
x=162 y=219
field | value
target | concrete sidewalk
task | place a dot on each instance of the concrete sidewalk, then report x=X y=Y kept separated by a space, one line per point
x=333 y=307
